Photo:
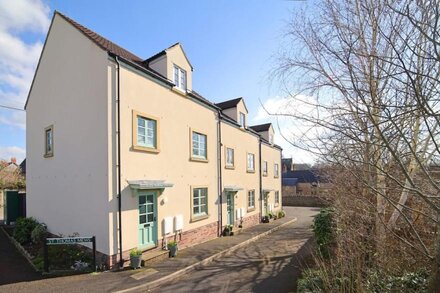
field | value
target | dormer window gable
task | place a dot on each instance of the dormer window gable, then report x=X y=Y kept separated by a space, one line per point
x=173 y=64
x=265 y=131
x=235 y=109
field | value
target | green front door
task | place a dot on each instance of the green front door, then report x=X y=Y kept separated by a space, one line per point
x=265 y=202
x=230 y=208
x=147 y=219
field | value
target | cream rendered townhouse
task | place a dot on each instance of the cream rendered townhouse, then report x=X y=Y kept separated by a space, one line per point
x=123 y=148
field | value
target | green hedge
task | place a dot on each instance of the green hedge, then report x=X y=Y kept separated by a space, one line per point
x=323 y=228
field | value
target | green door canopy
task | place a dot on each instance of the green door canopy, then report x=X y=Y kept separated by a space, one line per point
x=232 y=188
x=149 y=184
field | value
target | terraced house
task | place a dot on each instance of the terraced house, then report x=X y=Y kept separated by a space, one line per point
x=123 y=148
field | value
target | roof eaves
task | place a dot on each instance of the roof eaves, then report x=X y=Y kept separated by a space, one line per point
x=143 y=69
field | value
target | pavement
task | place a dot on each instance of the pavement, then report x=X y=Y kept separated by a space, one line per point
x=192 y=259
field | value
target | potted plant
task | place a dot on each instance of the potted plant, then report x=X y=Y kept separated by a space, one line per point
x=270 y=215
x=281 y=214
x=135 y=258
x=265 y=219
x=228 y=230
x=172 y=247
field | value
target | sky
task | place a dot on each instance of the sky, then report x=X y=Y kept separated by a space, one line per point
x=232 y=46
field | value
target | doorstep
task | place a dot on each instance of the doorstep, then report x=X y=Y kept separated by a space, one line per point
x=153 y=256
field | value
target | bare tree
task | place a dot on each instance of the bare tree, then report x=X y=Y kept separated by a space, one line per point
x=371 y=70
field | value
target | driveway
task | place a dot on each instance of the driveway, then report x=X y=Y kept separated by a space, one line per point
x=14 y=267
x=270 y=264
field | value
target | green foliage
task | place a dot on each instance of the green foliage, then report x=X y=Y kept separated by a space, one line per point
x=323 y=230
x=270 y=215
x=135 y=252
x=281 y=214
x=23 y=229
x=316 y=280
x=311 y=281
x=407 y=282
x=39 y=263
x=171 y=244
x=63 y=257
x=38 y=234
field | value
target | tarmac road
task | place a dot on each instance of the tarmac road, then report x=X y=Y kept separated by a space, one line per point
x=270 y=264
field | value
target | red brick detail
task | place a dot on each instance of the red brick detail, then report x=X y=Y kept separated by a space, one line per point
x=185 y=239
x=251 y=221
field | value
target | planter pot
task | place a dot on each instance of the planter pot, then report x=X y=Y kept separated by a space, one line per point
x=227 y=233
x=265 y=220
x=173 y=251
x=135 y=262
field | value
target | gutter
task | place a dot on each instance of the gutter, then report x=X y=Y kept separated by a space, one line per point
x=220 y=179
x=260 y=181
x=118 y=132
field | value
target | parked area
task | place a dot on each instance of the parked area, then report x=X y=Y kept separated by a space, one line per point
x=259 y=263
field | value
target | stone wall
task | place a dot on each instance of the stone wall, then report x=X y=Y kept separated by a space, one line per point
x=304 y=201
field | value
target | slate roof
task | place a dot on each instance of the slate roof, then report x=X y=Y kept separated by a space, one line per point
x=261 y=127
x=303 y=176
x=228 y=104
x=23 y=167
x=289 y=181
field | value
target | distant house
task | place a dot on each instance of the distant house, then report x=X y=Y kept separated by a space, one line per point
x=12 y=196
x=304 y=182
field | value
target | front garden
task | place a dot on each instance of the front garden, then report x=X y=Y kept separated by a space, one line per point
x=63 y=259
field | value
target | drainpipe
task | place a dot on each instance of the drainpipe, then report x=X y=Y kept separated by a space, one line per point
x=118 y=132
x=220 y=181
x=260 y=180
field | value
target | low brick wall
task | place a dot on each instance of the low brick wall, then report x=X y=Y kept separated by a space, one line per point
x=304 y=201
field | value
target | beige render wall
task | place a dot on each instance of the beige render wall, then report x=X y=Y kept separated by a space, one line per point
x=242 y=142
x=69 y=191
x=177 y=115
x=272 y=155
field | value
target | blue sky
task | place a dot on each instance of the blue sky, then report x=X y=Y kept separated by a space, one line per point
x=231 y=45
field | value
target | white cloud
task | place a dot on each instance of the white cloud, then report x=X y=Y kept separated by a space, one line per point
x=15 y=118
x=6 y=153
x=291 y=133
x=18 y=58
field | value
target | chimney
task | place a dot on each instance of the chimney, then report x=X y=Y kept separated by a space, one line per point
x=14 y=160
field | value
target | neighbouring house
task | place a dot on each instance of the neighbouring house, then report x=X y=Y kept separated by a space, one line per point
x=123 y=148
x=12 y=192
x=304 y=182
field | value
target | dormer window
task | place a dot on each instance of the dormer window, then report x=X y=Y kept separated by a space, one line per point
x=242 y=120
x=180 y=78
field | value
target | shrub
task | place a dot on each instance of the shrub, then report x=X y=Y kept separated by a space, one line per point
x=39 y=233
x=407 y=282
x=171 y=244
x=23 y=229
x=323 y=230
x=63 y=257
x=311 y=281
x=281 y=214
x=135 y=252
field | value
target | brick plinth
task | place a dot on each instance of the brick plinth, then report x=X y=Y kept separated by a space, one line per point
x=251 y=221
x=185 y=239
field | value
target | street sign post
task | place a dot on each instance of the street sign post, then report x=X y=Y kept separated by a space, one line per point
x=68 y=240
